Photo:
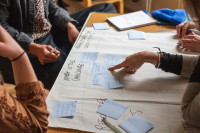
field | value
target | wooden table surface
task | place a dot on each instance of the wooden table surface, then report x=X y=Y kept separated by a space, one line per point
x=98 y=18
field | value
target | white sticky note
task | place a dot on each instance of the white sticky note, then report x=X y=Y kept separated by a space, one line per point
x=111 y=82
x=101 y=26
x=112 y=59
x=88 y=57
x=99 y=68
x=112 y=109
x=97 y=79
x=136 y=124
x=136 y=35
x=64 y=109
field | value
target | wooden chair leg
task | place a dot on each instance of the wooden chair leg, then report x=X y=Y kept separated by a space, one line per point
x=87 y=3
x=120 y=6
x=179 y=4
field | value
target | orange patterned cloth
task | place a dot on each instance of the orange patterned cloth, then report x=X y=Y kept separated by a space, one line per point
x=41 y=25
x=25 y=114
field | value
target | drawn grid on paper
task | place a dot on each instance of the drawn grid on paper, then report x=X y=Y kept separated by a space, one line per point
x=161 y=92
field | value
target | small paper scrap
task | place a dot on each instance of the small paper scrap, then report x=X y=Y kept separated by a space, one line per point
x=99 y=68
x=112 y=109
x=101 y=26
x=112 y=59
x=88 y=57
x=64 y=109
x=136 y=35
x=136 y=124
x=111 y=82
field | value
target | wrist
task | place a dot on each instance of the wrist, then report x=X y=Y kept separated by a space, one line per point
x=33 y=48
x=151 y=57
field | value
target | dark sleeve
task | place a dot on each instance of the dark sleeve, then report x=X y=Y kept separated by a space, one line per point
x=191 y=98
x=59 y=16
x=23 y=39
x=171 y=63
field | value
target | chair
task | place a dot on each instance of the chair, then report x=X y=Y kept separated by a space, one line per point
x=87 y=3
x=149 y=3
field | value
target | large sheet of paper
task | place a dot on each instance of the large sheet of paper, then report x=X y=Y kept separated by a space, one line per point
x=150 y=93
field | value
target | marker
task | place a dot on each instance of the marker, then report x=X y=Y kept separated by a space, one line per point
x=115 y=129
x=53 y=49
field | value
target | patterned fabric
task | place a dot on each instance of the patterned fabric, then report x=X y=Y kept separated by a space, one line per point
x=41 y=24
x=25 y=114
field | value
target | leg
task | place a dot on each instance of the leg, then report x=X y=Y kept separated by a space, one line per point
x=61 y=37
x=82 y=15
x=6 y=70
x=47 y=73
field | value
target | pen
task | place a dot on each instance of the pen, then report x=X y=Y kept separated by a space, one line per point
x=53 y=49
x=193 y=30
x=115 y=129
x=147 y=13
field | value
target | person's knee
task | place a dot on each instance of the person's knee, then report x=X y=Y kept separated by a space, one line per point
x=111 y=8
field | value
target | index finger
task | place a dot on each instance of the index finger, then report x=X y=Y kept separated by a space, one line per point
x=184 y=29
x=117 y=66
x=179 y=28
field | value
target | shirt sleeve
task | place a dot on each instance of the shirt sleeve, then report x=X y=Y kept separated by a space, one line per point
x=191 y=98
x=32 y=95
x=178 y=64
x=59 y=16
x=23 y=39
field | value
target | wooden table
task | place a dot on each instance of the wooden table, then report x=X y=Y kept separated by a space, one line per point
x=98 y=18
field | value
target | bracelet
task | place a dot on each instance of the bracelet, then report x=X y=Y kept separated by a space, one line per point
x=18 y=57
x=159 y=62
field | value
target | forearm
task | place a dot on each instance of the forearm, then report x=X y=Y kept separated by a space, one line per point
x=171 y=63
x=59 y=16
x=23 y=71
x=20 y=37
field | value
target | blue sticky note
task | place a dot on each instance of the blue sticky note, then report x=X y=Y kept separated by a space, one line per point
x=112 y=59
x=101 y=26
x=88 y=57
x=99 y=68
x=111 y=82
x=97 y=79
x=136 y=124
x=136 y=35
x=64 y=109
x=112 y=109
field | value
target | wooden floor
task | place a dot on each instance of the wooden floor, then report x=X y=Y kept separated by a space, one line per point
x=98 y=18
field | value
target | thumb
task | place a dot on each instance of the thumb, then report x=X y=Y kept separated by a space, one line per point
x=49 y=48
x=192 y=33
